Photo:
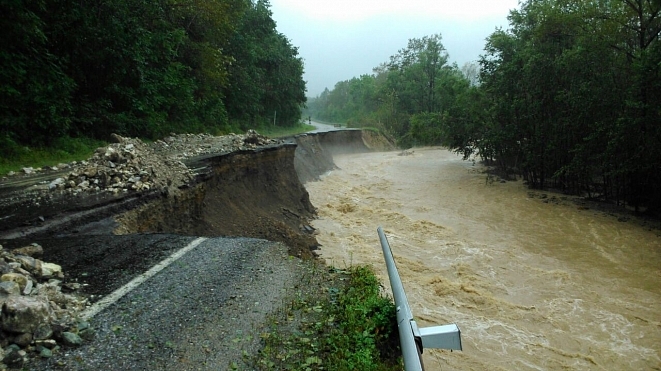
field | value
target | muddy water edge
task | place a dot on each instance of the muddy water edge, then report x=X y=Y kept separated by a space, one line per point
x=534 y=281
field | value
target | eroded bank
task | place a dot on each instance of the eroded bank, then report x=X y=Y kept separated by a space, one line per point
x=256 y=192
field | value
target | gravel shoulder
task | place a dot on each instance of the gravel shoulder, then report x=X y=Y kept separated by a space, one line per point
x=203 y=312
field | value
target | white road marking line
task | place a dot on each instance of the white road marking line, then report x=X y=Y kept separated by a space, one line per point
x=117 y=294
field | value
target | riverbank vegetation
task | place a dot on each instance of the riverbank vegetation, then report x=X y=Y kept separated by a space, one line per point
x=568 y=96
x=81 y=69
x=337 y=320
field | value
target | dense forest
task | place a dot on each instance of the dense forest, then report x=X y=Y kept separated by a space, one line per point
x=142 y=68
x=568 y=96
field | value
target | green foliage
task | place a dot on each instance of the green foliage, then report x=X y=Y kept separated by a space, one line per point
x=13 y=156
x=143 y=68
x=285 y=131
x=570 y=102
x=568 y=96
x=413 y=97
x=266 y=73
x=35 y=92
x=352 y=327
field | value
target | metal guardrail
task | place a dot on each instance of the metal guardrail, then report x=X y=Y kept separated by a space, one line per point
x=413 y=339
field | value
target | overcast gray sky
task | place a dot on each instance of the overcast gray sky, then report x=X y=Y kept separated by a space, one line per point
x=341 y=39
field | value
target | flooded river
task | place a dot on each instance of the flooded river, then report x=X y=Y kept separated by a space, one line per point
x=533 y=284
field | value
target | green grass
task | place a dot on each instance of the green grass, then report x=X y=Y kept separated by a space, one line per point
x=278 y=132
x=337 y=321
x=13 y=157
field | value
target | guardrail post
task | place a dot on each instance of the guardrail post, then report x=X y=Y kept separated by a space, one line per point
x=414 y=339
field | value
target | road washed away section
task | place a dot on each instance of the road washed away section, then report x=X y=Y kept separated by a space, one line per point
x=252 y=191
x=154 y=304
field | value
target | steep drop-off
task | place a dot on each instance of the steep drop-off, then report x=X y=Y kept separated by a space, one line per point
x=255 y=193
x=248 y=193
x=252 y=193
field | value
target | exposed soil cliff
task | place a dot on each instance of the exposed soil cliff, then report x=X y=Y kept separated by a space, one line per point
x=239 y=186
x=257 y=193
x=246 y=193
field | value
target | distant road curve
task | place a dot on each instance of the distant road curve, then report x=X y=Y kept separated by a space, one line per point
x=320 y=128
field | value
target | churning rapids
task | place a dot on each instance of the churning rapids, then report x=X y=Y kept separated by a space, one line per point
x=532 y=285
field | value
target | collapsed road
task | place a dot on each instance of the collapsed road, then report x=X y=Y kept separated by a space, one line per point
x=198 y=311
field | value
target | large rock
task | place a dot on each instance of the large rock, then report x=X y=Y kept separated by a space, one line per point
x=33 y=250
x=23 y=314
x=9 y=288
x=20 y=279
x=50 y=270
x=4 y=267
x=30 y=264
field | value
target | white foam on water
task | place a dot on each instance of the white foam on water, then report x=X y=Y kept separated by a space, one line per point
x=532 y=285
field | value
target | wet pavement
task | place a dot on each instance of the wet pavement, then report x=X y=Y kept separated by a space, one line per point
x=104 y=263
x=205 y=311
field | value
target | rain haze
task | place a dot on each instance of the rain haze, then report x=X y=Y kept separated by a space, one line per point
x=341 y=39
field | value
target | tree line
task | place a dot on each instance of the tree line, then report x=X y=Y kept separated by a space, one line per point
x=142 y=68
x=568 y=96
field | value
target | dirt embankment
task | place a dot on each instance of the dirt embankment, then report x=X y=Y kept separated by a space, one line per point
x=253 y=192
x=314 y=154
x=248 y=193
x=257 y=193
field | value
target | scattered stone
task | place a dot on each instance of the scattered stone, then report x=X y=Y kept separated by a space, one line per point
x=28 y=170
x=28 y=287
x=9 y=288
x=14 y=358
x=254 y=138
x=32 y=306
x=23 y=339
x=56 y=183
x=20 y=279
x=30 y=264
x=87 y=334
x=4 y=267
x=45 y=352
x=49 y=270
x=43 y=333
x=48 y=343
x=71 y=339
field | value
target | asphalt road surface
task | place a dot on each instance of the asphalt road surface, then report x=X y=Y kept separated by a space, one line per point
x=203 y=309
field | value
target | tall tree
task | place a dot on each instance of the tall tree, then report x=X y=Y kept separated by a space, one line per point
x=35 y=94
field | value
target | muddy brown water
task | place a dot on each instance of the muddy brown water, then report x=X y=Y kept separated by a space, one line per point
x=532 y=285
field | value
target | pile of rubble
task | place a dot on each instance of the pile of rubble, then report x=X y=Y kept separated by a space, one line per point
x=129 y=164
x=37 y=316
